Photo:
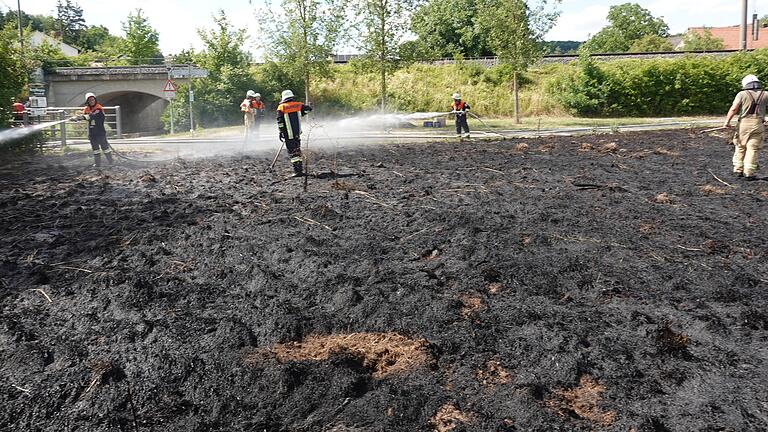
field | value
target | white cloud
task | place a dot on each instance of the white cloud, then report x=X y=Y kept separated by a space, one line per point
x=579 y=25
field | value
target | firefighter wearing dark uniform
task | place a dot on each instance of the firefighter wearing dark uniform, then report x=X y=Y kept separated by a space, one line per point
x=289 y=114
x=460 y=108
x=93 y=113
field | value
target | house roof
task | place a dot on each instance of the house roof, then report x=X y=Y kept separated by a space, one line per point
x=731 y=35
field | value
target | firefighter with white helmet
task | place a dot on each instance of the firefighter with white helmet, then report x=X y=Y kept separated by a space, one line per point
x=750 y=104
x=93 y=113
x=460 y=108
x=289 y=114
x=253 y=110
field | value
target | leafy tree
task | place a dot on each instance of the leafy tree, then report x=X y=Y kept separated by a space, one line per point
x=628 y=23
x=305 y=35
x=70 y=21
x=384 y=23
x=141 y=40
x=695 y=41
x=218 y=96
x=94 y=37
x=11 y=70
x=446 y=28
x=515 y=33
x=651 y=43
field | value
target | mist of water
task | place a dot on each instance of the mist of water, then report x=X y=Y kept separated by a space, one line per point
x=14 y=134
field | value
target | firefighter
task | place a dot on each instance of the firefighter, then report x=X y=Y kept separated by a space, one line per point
x=460 y=108
x=93 y=113
x=750 y=103
x=18 y=111
x=289 y=114
x=253 y=110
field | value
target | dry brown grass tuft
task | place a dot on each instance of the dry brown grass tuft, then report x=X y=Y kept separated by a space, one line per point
x=384 y=353
x=586 y=147
x=495 y=287
x=546 y=147
x=583 y=402
x=647 y=228
x=665 y=152
x=344 y=186
x=663 y=198
x=713 y=190
x=448 y=418
x=522 y=147
x=610 y=148
x=472 y=305
x=670 y=341
x=494 y=374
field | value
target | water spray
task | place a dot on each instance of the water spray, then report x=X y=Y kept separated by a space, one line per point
x=14 y=134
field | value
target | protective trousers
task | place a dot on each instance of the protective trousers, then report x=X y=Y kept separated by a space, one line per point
x=99 y=144
x=251 y=121
x=294 y=152
x=747 y=141
x=461 y=122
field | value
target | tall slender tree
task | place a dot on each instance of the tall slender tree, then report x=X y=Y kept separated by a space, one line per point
x=141 y=40
x=305 y=35
x=515 y=33
x=69 y=17
x=384 y=23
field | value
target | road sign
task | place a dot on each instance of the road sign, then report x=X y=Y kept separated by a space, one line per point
x=169 y=87
x=186 y=72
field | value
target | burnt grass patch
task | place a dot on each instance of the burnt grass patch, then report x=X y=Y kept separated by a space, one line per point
x=556 y=284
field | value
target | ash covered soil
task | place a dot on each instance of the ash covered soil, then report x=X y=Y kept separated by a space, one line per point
x=590 y=283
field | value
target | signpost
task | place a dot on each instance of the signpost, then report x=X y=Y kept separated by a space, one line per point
x=170 y=91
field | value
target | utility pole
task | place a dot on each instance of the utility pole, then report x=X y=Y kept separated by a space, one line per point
x=191 y=99
x=743 y=32
x=21 y=32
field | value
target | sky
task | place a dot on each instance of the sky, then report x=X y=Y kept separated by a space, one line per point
x=177 y=20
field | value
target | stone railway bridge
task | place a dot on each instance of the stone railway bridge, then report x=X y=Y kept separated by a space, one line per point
x=138 y=90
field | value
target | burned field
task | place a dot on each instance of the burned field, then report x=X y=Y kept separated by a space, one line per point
x=590 y=283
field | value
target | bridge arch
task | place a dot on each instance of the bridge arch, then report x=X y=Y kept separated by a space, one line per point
x=140 y=112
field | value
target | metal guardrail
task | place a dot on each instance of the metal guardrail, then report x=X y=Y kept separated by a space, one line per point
x=64 y=130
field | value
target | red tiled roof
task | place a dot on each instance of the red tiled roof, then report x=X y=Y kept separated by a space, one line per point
x=731 y=35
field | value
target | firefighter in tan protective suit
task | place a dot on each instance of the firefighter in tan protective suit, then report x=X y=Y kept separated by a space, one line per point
x=253 y=110
x=750 y=103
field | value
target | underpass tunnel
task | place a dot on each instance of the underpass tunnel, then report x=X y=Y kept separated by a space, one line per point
x=140 y=112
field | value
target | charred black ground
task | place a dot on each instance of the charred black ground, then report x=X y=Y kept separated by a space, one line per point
x=591 y=283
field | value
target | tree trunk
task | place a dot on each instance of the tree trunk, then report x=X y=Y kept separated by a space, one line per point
x=306 y=89
x=383 y=87
x=517 y=98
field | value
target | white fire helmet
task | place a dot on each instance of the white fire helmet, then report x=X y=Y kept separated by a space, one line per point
x=89 y=95
x=257 y=95
x=749 y=79
x=250 y=93
x=456 y=96
x=287 y=94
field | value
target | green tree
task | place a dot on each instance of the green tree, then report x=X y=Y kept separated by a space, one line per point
x=217 y=97
x=141 y=40
x=515 y=33
x=651 y=43
x=94 y=37
x=628 y=23
x=70 y=21
x=446 y=28
x=306 y=39
x=695 y=41
x=384 y=23
x=12 y=72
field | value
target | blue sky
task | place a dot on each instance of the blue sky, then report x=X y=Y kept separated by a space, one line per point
x=177 y=20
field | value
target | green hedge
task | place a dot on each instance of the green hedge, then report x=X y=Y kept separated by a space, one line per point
x=659 y=87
